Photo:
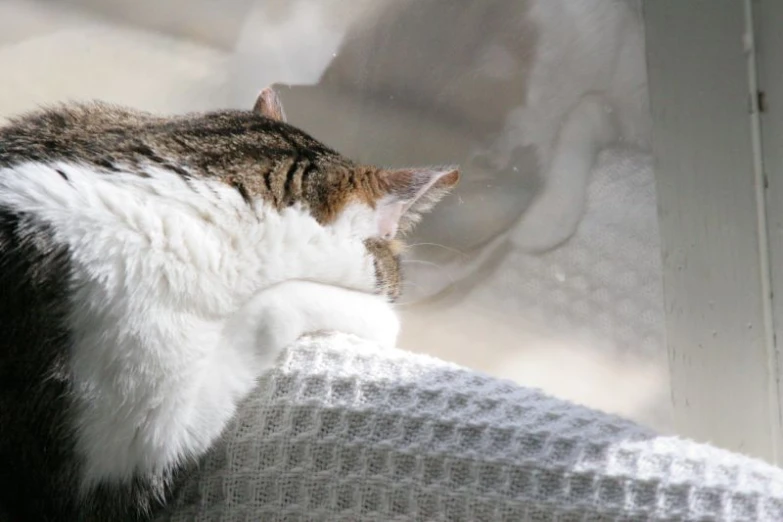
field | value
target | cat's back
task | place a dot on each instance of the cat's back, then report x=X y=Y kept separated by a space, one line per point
x=87 y=133
x=227 y=145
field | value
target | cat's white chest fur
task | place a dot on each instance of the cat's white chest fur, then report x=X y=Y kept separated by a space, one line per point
x=181 y=295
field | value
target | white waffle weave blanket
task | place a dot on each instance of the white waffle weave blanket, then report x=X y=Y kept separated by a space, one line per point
x=341 y=430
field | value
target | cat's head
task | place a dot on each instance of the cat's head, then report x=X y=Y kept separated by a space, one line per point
x=384 y=203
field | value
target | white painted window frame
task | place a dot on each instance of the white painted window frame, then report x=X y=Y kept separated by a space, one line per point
x=719 y=177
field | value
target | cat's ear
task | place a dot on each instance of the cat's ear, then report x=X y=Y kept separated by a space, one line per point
x=412 y=192
x=268 y=104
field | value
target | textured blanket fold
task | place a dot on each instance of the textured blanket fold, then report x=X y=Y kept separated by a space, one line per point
x=342 y=430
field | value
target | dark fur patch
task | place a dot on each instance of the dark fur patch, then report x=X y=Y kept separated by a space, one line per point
x=35 y=444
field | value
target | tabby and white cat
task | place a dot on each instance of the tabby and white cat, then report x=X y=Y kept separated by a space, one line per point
x=151 y=268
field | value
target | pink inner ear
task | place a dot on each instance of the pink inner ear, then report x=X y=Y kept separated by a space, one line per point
x=414 y=183
x=428 y=180
x=389 y=215
x=410 y=185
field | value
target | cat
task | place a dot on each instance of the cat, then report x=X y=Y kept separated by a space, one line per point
x=152 y=268
x=524 y=93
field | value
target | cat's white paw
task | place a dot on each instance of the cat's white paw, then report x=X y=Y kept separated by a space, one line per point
x=278 y=316
x=368 y=316
x=550 y=221
x=378 y=323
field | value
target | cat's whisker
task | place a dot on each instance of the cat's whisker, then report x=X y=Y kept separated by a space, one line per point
x=421 y=262
x=404 y=304
x=450 y=249
x=450 y=276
